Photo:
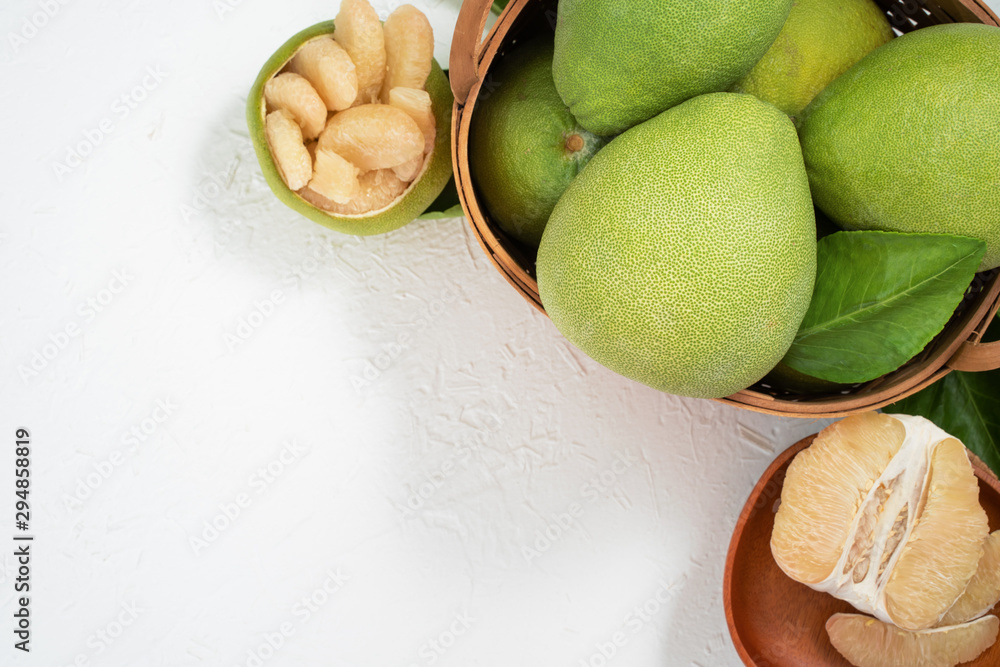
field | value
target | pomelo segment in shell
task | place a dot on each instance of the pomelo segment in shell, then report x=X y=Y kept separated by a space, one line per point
x=380 y=205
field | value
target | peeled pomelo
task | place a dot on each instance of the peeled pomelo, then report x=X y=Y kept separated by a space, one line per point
x=524 y=145
x=377 y=187
x=823 y=490
x=683 y=255
x=820 y=41
x=618 y=64
x=906 y=140
x=867 y=642
x=983 y=591
x=883 y=512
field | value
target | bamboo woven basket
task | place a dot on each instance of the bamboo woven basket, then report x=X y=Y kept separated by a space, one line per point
x=957 y=347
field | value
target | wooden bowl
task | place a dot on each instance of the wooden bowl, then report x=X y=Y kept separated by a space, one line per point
x=777 y=622
x=958 y=347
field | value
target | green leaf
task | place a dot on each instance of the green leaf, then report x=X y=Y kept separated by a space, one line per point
x=498 y=6
x=967 y=405
x=880 y=297
x=445 y=206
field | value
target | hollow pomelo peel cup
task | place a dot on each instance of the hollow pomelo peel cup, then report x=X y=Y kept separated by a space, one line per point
x=413 y=202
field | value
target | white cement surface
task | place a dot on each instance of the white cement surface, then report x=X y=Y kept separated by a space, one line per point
x=248 y=432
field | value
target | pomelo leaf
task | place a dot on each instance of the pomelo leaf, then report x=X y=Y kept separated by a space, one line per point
x=879 y=298
x=967 y=405
x=445 y=206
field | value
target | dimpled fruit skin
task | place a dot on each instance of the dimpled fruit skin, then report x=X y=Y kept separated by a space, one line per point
x=684 y=254
x=820 y=41
x=517 y=144
x=906 y=140
x=619 y=63
x=422 y=192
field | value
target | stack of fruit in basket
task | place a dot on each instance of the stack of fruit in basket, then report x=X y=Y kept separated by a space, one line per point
x=669 y=159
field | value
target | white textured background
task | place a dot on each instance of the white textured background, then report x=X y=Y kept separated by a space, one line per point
x=249 y=432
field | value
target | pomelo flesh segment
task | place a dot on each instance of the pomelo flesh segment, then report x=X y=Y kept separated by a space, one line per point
x=359 y=31
x=983 y=591
x=284 y=137
x=377 y=189
x=868 y=642
x=296 y=95
x=944 y=548
x=824 y=488
x=409 y=49
x=417 y=104
x=327 y=66
x=409 y=169
x=373 y=136
x=334 y=177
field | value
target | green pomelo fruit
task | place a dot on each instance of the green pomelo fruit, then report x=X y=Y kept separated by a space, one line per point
x=409 y=205
x=907 y=139
x=524 y=144
x=684 y=254
x=820 y=41
x=619 y=63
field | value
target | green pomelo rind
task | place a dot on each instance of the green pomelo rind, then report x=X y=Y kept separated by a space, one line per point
x=517 y=143
x=684 y=254
x=421 y=193
x=618 y=64
x=906 y=140
x=821 y=40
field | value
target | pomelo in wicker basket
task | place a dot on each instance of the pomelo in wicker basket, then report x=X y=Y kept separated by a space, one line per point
x=820 y=41
x=617 y=64
x=526 y=145
x=684 y=254
x=906 y=140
